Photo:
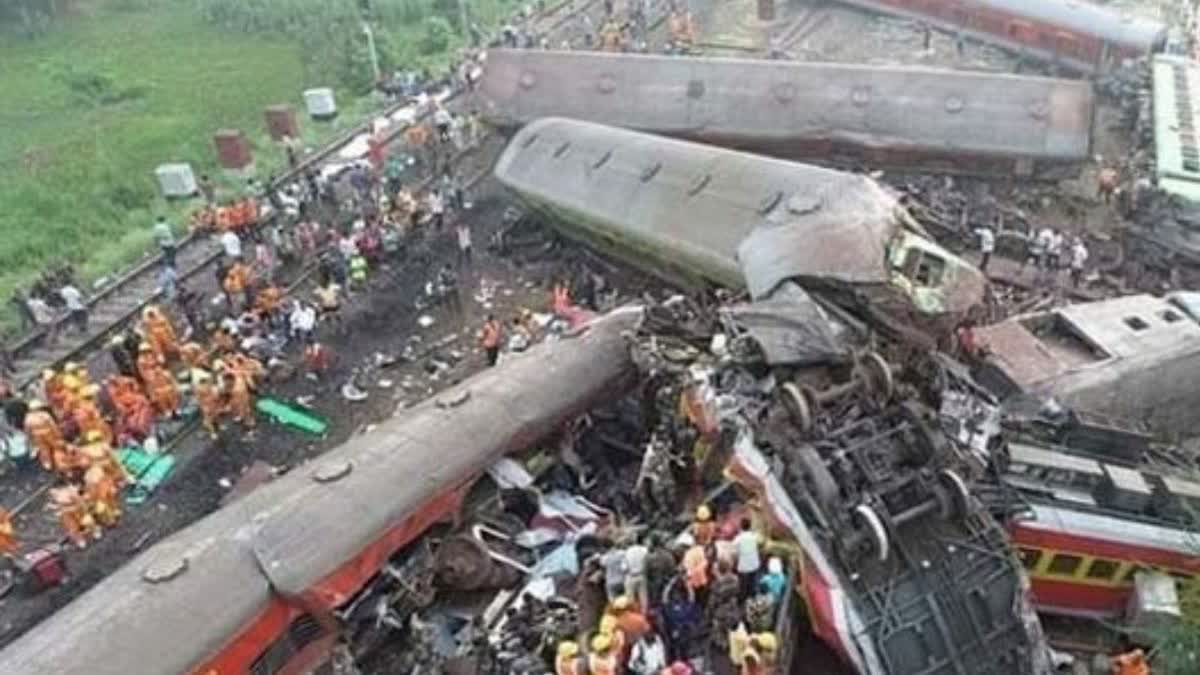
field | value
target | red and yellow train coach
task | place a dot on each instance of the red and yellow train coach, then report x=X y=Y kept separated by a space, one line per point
x=1083 y=36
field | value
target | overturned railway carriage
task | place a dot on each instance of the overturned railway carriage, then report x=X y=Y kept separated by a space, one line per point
x=703 y=215
x=1080 y=35
x=257 y=586
x=939 y=120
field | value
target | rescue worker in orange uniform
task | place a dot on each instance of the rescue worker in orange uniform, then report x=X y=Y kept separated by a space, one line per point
x=209 y=400
x=695 y=572
x=618 y=640
x=163 y=392
x=193 y=355
x=147 y=360
x=160 y=333
x=8 y=539
x=135 y=416
x=88 y=417
x=237 y=279
x=567 y=660
x=73 y=515
x=603 y=659
x=246 y=367
x=703 y=528
x=102 y=496
x=97 y=452
x=43 y=432
x=247 y=212
x=1131 y=663
x=54 y=390
x=241 y=401
x=611 y=37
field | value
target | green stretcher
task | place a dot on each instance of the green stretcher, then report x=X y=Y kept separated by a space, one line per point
x=292 y=416
x=147 y=470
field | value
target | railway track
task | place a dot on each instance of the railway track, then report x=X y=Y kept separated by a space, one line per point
x=115 y=305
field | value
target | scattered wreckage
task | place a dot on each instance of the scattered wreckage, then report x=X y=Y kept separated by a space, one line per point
x=707 y=217
x=953 y=121
x=1132 y=358
x=903 y=569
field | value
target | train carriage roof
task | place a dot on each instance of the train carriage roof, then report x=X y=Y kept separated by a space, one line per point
x=1087 y=18
x=126 y=624
x=769 y=104
x=398 y=467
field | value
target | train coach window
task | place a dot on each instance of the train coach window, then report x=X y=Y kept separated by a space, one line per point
x=1030 y=557
x=1136 y=323
x=1064 y=564
x=1102 y=568
x=923 y=268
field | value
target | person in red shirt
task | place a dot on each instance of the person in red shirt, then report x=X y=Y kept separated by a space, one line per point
x=490 y=339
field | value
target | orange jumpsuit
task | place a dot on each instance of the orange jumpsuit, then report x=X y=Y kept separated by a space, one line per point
x=56 y=393
x=43 y=431
x=163 y=391
x=102 y=496
x=73 y=515
x=247 y=368
x=248 y=212
x=135 y=416
x=208 y=398
x=236 y=279
x=147 y=360
x=193 y=354
x=241 y=400
x=8 y=541
x=88 y=419
x=101 y=454
x=160 y=334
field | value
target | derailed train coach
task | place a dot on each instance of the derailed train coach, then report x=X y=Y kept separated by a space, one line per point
x=940 y=120
x=700 y=215
x=267 y=585
x=1084 y=36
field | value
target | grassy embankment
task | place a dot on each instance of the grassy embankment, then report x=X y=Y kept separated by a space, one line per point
x=93 y=106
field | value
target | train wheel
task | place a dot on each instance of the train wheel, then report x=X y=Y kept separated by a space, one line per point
x=873 y=525
x=797 y=405
x=878 y=382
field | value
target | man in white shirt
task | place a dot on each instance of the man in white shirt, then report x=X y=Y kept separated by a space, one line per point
x=231 y=244
x=748 y=559
x=635 y=575
x=987 y=244
x=1054 y=251
x=648 y=656
x=437 y=209
x=464 y=242
x=303 y=321
x=77 y=312
x=1079 y=256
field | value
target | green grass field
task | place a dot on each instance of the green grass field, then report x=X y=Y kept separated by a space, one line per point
x=90 y=109
x=76 y=174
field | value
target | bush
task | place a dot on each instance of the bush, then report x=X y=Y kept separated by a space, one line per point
x=436 y=35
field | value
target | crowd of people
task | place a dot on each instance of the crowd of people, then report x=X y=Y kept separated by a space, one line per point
x=186 y=353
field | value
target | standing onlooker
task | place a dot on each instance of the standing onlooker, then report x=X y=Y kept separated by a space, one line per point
x=1106 y=184
x=77 y=312
x=490 y=340
x=437 y=209
x=614 y=571
x=231 y=245
x=1079 y=256
x=464 y=242
x=166 y=240
x=208 y=190
x=635 y=575
x=987 y=244
x=168 y=281
x=748 y=560
x=1054 y=252
x=21 y=303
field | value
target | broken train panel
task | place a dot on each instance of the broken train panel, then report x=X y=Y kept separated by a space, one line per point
x=903 y=570
x=940 y=120
x=707 y=216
